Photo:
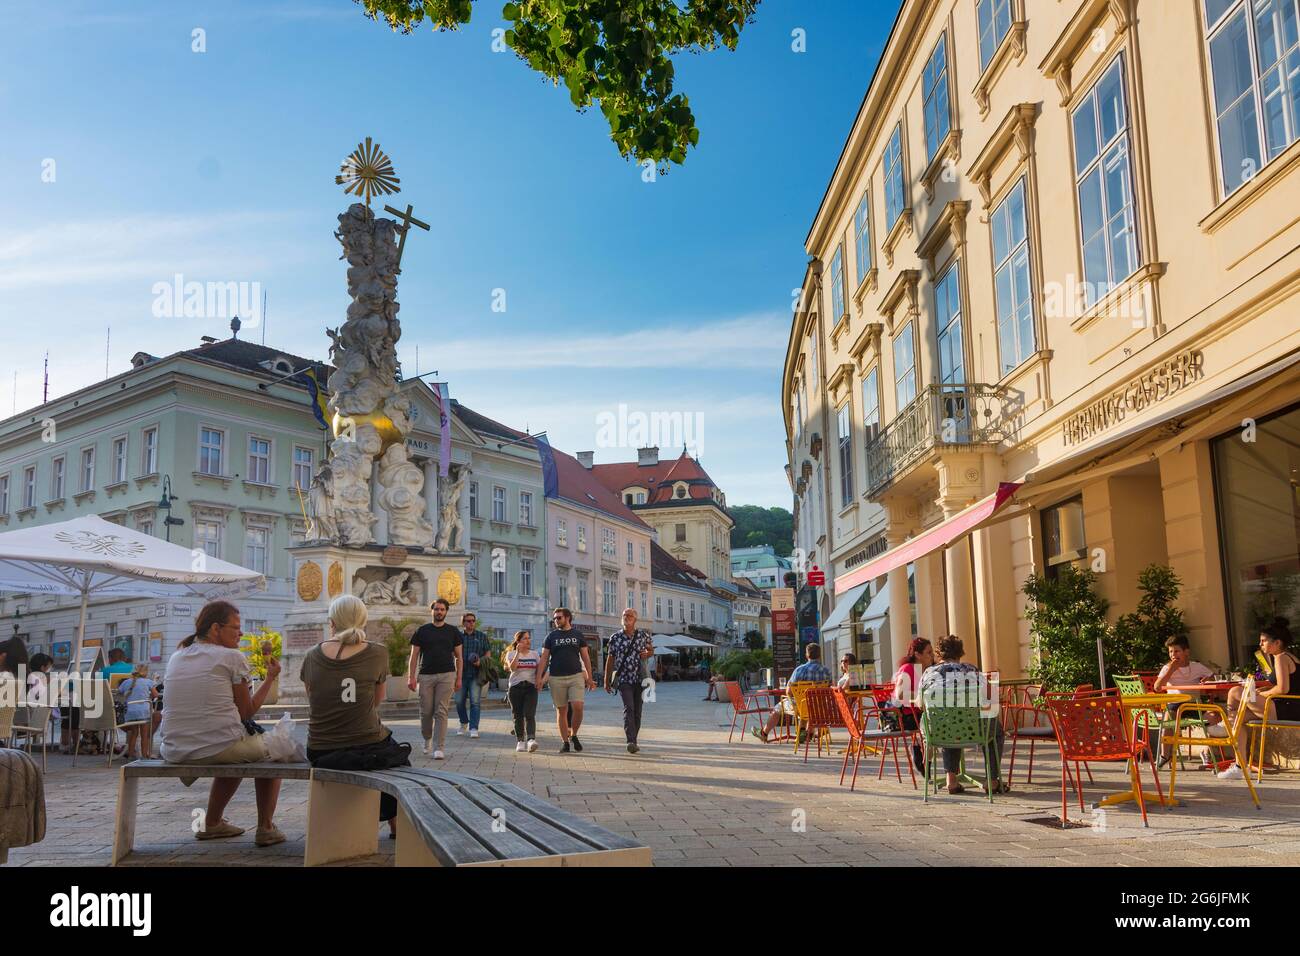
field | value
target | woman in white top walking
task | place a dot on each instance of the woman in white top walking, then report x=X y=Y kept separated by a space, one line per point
x=521 y=661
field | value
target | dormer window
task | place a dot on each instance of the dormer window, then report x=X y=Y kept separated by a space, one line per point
x=282 y=365
x=679 y=491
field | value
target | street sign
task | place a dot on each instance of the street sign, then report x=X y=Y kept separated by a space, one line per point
x=782 y=599
x=817 y=577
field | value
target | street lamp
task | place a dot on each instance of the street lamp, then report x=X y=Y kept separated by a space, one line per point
x=165 y=505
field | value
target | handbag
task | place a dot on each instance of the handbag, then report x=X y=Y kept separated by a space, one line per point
x=381 y=755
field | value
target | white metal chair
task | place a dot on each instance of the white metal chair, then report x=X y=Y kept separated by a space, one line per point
x=103 y=721
x=30 y=723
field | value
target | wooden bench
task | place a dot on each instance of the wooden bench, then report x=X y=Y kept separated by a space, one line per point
x=443 y=819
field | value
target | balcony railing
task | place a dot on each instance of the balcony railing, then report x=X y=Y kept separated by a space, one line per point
x=960 y=414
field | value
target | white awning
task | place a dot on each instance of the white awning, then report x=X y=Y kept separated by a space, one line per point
x=879 y=606
x=843 y=605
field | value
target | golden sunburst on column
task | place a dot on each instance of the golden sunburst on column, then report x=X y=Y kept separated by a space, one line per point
x=367 y=172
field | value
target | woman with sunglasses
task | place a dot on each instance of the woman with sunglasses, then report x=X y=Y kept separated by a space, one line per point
x=205 y=714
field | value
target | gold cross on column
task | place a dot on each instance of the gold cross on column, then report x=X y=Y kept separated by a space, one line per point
x=407 y=222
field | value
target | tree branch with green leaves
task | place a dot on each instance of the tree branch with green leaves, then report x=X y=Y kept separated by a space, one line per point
x=616 y=54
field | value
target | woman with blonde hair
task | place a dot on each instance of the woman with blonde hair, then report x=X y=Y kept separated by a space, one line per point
x=138 y=693
x=344 y=677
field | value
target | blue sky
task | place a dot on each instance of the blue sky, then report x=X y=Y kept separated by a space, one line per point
x=671 y=296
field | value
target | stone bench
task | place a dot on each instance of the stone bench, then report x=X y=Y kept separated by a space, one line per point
x=443 y=819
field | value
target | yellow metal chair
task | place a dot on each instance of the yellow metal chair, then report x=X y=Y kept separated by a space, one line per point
x=1177 y=739
x=1262 y=726
x=798 y=694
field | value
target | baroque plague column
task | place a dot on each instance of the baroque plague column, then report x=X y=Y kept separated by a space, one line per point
x=372 y=533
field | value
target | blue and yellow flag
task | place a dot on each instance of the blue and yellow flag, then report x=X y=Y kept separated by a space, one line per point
x=319 y=397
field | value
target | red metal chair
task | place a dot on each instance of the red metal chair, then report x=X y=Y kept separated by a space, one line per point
x=742 y=707
x=1092 y=729
x=823 y=715
x=860 y=738
x=1148 y=680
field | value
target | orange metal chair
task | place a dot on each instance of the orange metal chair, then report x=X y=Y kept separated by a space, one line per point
x=820 y=716
x=861 y=738
x=742 y=707
x=796 y=692
x=1092 y=729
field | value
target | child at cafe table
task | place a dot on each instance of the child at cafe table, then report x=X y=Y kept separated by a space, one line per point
x=955 y=677
x=1275 y=641
x=1180 y=671
x=810 y=670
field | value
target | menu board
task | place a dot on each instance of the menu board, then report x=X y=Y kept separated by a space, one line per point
x=785 y=646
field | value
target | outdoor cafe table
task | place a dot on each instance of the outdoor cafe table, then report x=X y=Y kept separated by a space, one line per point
x=1140 y=702
x=1213 y=689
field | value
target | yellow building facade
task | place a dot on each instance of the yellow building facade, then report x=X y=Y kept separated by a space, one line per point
x=1061 y=249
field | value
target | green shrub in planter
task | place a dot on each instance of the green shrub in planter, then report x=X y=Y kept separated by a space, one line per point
x=398 y=642
x=1066 y=617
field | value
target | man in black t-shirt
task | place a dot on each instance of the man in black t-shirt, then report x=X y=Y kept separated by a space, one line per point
x=570 y=675
x=437 y=648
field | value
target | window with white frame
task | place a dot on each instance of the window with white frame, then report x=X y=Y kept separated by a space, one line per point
x=259 y=460
x=643 y=555
x=692 y=612
x=582 y=590
x=947 y=310
x=608 y=543
x=498 y=576
x=207 y=537
x=498 y=503
x=211 y=442
x=149 y=452
x=871 y=405
x=87 y=470
x=994 y=23
x=640 y=497
x=562 y=582
x=844 y=427
x=1011 y=280
x=798 y=413
x=862 y=236
x=812 y=360
x=29 y=487
x=562 y=536
x=526 y=508
x=837 y=293
x=582 y=537
x=304 y=461
x=119 y=459
x=904 y=367
x=608 y=596
x=473 y=499
x=934 y=91
x=1254 y=50
x=1104 y=182
x=256 y=546
x=631 y=551
x=659 y=607
x=895 y=189
x=4 y=494
x=57 y=478
x=631 y=599
x=526 y=577
x=144 y=525
x=645 y=596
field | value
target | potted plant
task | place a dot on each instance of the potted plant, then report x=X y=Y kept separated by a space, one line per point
x=398 y=643
x=258 y=648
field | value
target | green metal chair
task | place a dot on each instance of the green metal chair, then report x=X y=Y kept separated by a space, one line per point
x=1149 y=718
x=951 y=720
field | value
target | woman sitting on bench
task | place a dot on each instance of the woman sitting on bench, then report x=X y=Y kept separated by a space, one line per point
x=345 y=678
x=207 y=713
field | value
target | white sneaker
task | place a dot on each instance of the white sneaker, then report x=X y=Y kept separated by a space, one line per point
x=520 y=747
x=428 y=746
x=1216 y=730
x=473 y=734
x=532 y=745
x=461 y=731
x=438 y=755
x=1232 y=773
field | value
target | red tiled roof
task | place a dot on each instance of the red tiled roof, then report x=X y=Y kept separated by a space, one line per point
x=657 y=478
x=578 y=485
x=666 y=569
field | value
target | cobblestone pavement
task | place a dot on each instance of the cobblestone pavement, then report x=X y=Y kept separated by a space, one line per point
x=697 y=800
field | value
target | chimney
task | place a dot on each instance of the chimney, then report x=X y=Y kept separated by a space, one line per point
x=647 y=456
x=586 y=459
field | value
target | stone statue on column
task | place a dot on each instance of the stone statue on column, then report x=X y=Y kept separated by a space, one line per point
x=451 y=528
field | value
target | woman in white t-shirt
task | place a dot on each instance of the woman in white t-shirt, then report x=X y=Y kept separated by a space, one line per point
x=204 y=710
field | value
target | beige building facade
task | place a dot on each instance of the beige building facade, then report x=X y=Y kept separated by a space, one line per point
x=1061 y=249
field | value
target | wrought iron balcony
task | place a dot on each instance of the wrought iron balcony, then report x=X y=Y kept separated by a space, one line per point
x=962 y=414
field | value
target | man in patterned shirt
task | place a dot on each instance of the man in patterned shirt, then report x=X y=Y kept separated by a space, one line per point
x=627 y=649
x=810 y=670
x=468 y=699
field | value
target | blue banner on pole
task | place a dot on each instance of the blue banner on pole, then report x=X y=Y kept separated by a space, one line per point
x=550 y=477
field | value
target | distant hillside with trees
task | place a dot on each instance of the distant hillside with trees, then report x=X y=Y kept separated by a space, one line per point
x=757 y=526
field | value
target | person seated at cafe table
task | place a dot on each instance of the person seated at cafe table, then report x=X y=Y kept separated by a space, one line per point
x=953 y=679
x=849 y=660
x=1179 y=672
x=907 y=679
x=812 y=670
x=1275 y=641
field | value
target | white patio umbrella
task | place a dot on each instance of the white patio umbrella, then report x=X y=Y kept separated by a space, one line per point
x=89 y=556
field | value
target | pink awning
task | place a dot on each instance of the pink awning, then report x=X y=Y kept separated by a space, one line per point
x=940 y=536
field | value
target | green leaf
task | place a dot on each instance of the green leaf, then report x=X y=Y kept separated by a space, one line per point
x=510 y=11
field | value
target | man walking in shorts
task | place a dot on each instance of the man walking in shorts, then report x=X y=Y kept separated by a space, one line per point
x=570 y=675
